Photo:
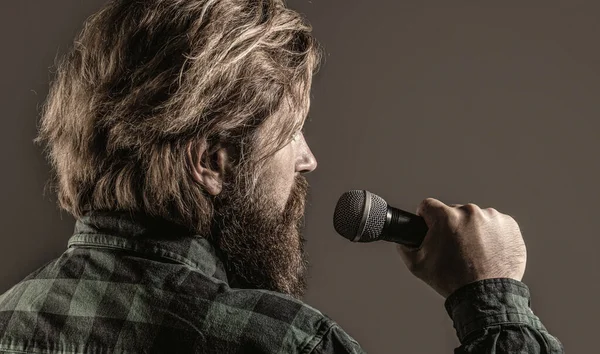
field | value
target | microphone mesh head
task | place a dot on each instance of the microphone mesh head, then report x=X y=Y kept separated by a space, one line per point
x=349 y=213
x=375 y=220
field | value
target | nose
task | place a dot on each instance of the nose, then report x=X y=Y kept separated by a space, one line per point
x=306 y=161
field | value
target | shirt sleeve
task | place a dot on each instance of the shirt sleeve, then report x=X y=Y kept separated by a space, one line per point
x=337 y=341
x=493 y=316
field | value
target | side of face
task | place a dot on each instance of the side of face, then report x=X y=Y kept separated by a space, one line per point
x=286 y=164
x=279 y=171
x=258 y=232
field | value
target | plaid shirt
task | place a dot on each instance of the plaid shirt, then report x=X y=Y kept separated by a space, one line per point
x=140 y=285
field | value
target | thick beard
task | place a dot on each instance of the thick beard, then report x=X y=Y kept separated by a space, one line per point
x=262 y=247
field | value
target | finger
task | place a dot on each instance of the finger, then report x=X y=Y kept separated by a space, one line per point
x=492 y=211
x=471 y=209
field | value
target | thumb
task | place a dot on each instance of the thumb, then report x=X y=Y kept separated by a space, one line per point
x=412 y=257
x=430 y=209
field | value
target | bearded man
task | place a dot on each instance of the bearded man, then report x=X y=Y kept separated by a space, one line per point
x=174 y=128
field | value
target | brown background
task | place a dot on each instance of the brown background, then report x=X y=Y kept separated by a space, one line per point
x=495 y=104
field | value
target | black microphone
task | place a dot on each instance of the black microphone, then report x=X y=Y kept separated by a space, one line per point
x=361 y=216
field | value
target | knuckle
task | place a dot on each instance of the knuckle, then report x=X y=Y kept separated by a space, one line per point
x=472 y=210
x=492 y=211
x=492 y=214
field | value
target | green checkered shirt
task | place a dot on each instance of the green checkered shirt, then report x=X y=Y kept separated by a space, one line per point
x=141 y=285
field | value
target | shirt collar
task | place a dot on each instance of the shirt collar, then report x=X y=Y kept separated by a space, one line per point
x=150 y=237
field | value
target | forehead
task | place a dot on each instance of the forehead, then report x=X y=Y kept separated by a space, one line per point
x=281 y=125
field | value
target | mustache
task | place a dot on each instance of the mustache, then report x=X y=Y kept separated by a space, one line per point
x=295 y=206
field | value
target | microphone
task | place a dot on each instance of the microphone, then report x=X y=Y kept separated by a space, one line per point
x=361 y=216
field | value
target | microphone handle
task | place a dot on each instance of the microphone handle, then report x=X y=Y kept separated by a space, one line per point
x=404 y=228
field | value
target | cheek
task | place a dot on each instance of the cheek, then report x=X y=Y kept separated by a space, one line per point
x=281 y=186
x=279 y=177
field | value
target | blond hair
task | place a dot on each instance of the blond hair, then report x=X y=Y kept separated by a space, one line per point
x=145 y=79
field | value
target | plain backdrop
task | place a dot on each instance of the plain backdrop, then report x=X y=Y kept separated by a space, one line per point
x=494 y=103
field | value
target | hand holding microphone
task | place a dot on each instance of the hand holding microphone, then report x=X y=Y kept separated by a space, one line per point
x=445 y=246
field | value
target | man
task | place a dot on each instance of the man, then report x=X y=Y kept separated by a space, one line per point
x=174 y=130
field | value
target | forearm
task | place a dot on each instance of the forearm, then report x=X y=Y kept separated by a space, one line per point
x=493 y=316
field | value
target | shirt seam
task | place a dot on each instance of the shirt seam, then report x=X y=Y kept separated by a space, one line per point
x=465 y=293
x=13 y=345
x=481 y=318
x=309 y=349
x=77 y=240
x=467 y=331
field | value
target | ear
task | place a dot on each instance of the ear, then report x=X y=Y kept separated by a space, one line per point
x=208 y=171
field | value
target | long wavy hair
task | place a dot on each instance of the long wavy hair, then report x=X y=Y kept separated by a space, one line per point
x=145 y=80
